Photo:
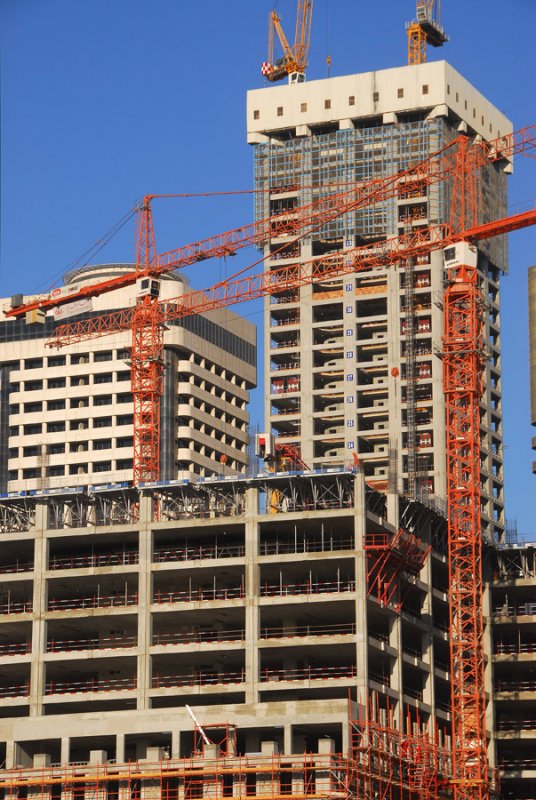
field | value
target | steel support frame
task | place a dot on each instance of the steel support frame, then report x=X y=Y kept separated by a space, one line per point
x=463 y=368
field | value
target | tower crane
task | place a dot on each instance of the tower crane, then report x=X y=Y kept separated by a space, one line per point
x=425 y=29
x=294 y=59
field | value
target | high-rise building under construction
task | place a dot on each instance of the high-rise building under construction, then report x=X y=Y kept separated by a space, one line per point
x=269 y=603
x=353 y=368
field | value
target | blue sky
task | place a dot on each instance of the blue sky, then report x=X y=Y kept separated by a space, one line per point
x=103 y=101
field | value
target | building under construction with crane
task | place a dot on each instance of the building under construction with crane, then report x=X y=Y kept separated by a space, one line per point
x=321 y=628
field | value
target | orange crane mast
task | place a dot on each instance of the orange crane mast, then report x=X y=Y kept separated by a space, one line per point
x=294 y=60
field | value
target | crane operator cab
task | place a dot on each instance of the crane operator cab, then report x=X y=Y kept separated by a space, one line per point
x=148 y=287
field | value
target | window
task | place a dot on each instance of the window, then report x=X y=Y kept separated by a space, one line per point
x=327 y=103
x=80 y=380
x=31 y=430
x=55 y=449
x=77 y=469
x=80 y=402
x=400 y=93
x=13 y=452
x=124 y=375
x=124 y=397
x=28 y=452
x=279 y=111
x=78 y=447
x=123 y=354
x=55 y=472
x=425 y=89
x=102 y=422
x=33 y=386
x=33 y=363
x=102 y=466
x=31 y=472
x=303 y=107
x=32 y=408
x=56 y=383
x=124 y=463
x=105 y=355
x=125 y=419
x=79 y=425
x=256 y=114
x=351 y=100
x=56 y=405
x=14 y=408
x=102 y=400
x=104 y=377
x=124 y=441
x=57 y=361
x=56 y=427
x=448 y=88
x=102 y=444
x=375 y=97
x=80 y=358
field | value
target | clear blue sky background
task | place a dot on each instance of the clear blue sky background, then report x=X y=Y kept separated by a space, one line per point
x=103 y=101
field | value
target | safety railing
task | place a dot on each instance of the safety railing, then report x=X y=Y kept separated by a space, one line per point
x=195 y=594
x=15 y=648
x=102 y=643
x=308 y=673
x=16 y=607
x=515 y=686
x=18 y=566
x=198 y=637
x=20 y=690
x=515 y=611
x=277 y=632
x=188 y=553
x=518 y=764
x=411 y=692
x=516 y=725
x=93 y=601
x=90 y=685
x=94 y=560
x=198 y=679
x=269 y=548
x=514 y=647
x=378 y=677
x=306 y=587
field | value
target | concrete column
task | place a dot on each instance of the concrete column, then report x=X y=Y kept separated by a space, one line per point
x=65 y=752
x=144 y=600
x=361 y=636
x=326 y=747
x=120 y=748
x=287 y=739
x=252 y=594
x=39 y=600
x=175 y=744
